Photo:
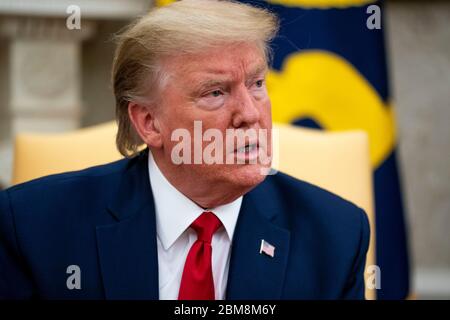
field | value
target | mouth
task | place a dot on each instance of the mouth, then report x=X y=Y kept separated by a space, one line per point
x=249 y=147
x=248 y=152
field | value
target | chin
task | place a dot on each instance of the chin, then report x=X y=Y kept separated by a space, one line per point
x=247 y=176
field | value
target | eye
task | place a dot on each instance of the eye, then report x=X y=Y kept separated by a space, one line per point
x=259 y=83
x=216 y=93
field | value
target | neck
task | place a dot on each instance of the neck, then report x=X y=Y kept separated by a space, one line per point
x=206 y=194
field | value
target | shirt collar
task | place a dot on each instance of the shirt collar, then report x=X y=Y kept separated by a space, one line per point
x=175 y=212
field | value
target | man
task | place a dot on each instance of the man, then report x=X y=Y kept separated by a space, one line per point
x=167 y=222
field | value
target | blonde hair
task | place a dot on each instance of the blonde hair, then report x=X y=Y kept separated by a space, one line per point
x=187 y=26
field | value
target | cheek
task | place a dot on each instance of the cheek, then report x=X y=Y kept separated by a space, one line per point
x=266 y=112
x=177 y=116
x=211 y=103
x=220 y=119
x=174 y=129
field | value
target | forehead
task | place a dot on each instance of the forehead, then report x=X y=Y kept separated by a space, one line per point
x=232 y=62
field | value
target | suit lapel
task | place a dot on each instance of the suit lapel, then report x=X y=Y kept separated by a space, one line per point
x=253 y=275
x=127 y=249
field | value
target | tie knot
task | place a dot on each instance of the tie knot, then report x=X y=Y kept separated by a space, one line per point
x=205 y=226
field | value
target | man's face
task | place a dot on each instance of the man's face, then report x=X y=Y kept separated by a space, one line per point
x=224 y=88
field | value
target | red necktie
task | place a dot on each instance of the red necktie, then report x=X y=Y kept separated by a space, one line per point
x=197 y=281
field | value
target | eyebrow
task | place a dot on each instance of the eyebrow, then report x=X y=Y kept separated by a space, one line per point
x=220 y=80
x=259 y=69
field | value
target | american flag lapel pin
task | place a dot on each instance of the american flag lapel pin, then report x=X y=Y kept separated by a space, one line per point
x=267 y=248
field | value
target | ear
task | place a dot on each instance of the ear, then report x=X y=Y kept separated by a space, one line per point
x=144 y=122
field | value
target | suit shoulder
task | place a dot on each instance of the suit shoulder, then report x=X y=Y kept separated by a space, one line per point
x=315 y=213
x=78 y=198
x=55 y=193
x=68 y=178
x=301 y=196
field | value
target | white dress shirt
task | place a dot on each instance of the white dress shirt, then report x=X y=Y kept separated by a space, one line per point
x=174 y=214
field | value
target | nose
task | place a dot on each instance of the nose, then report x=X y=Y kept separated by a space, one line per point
x=246 y=111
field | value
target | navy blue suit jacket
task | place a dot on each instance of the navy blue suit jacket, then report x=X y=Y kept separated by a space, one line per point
x=102 y=219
